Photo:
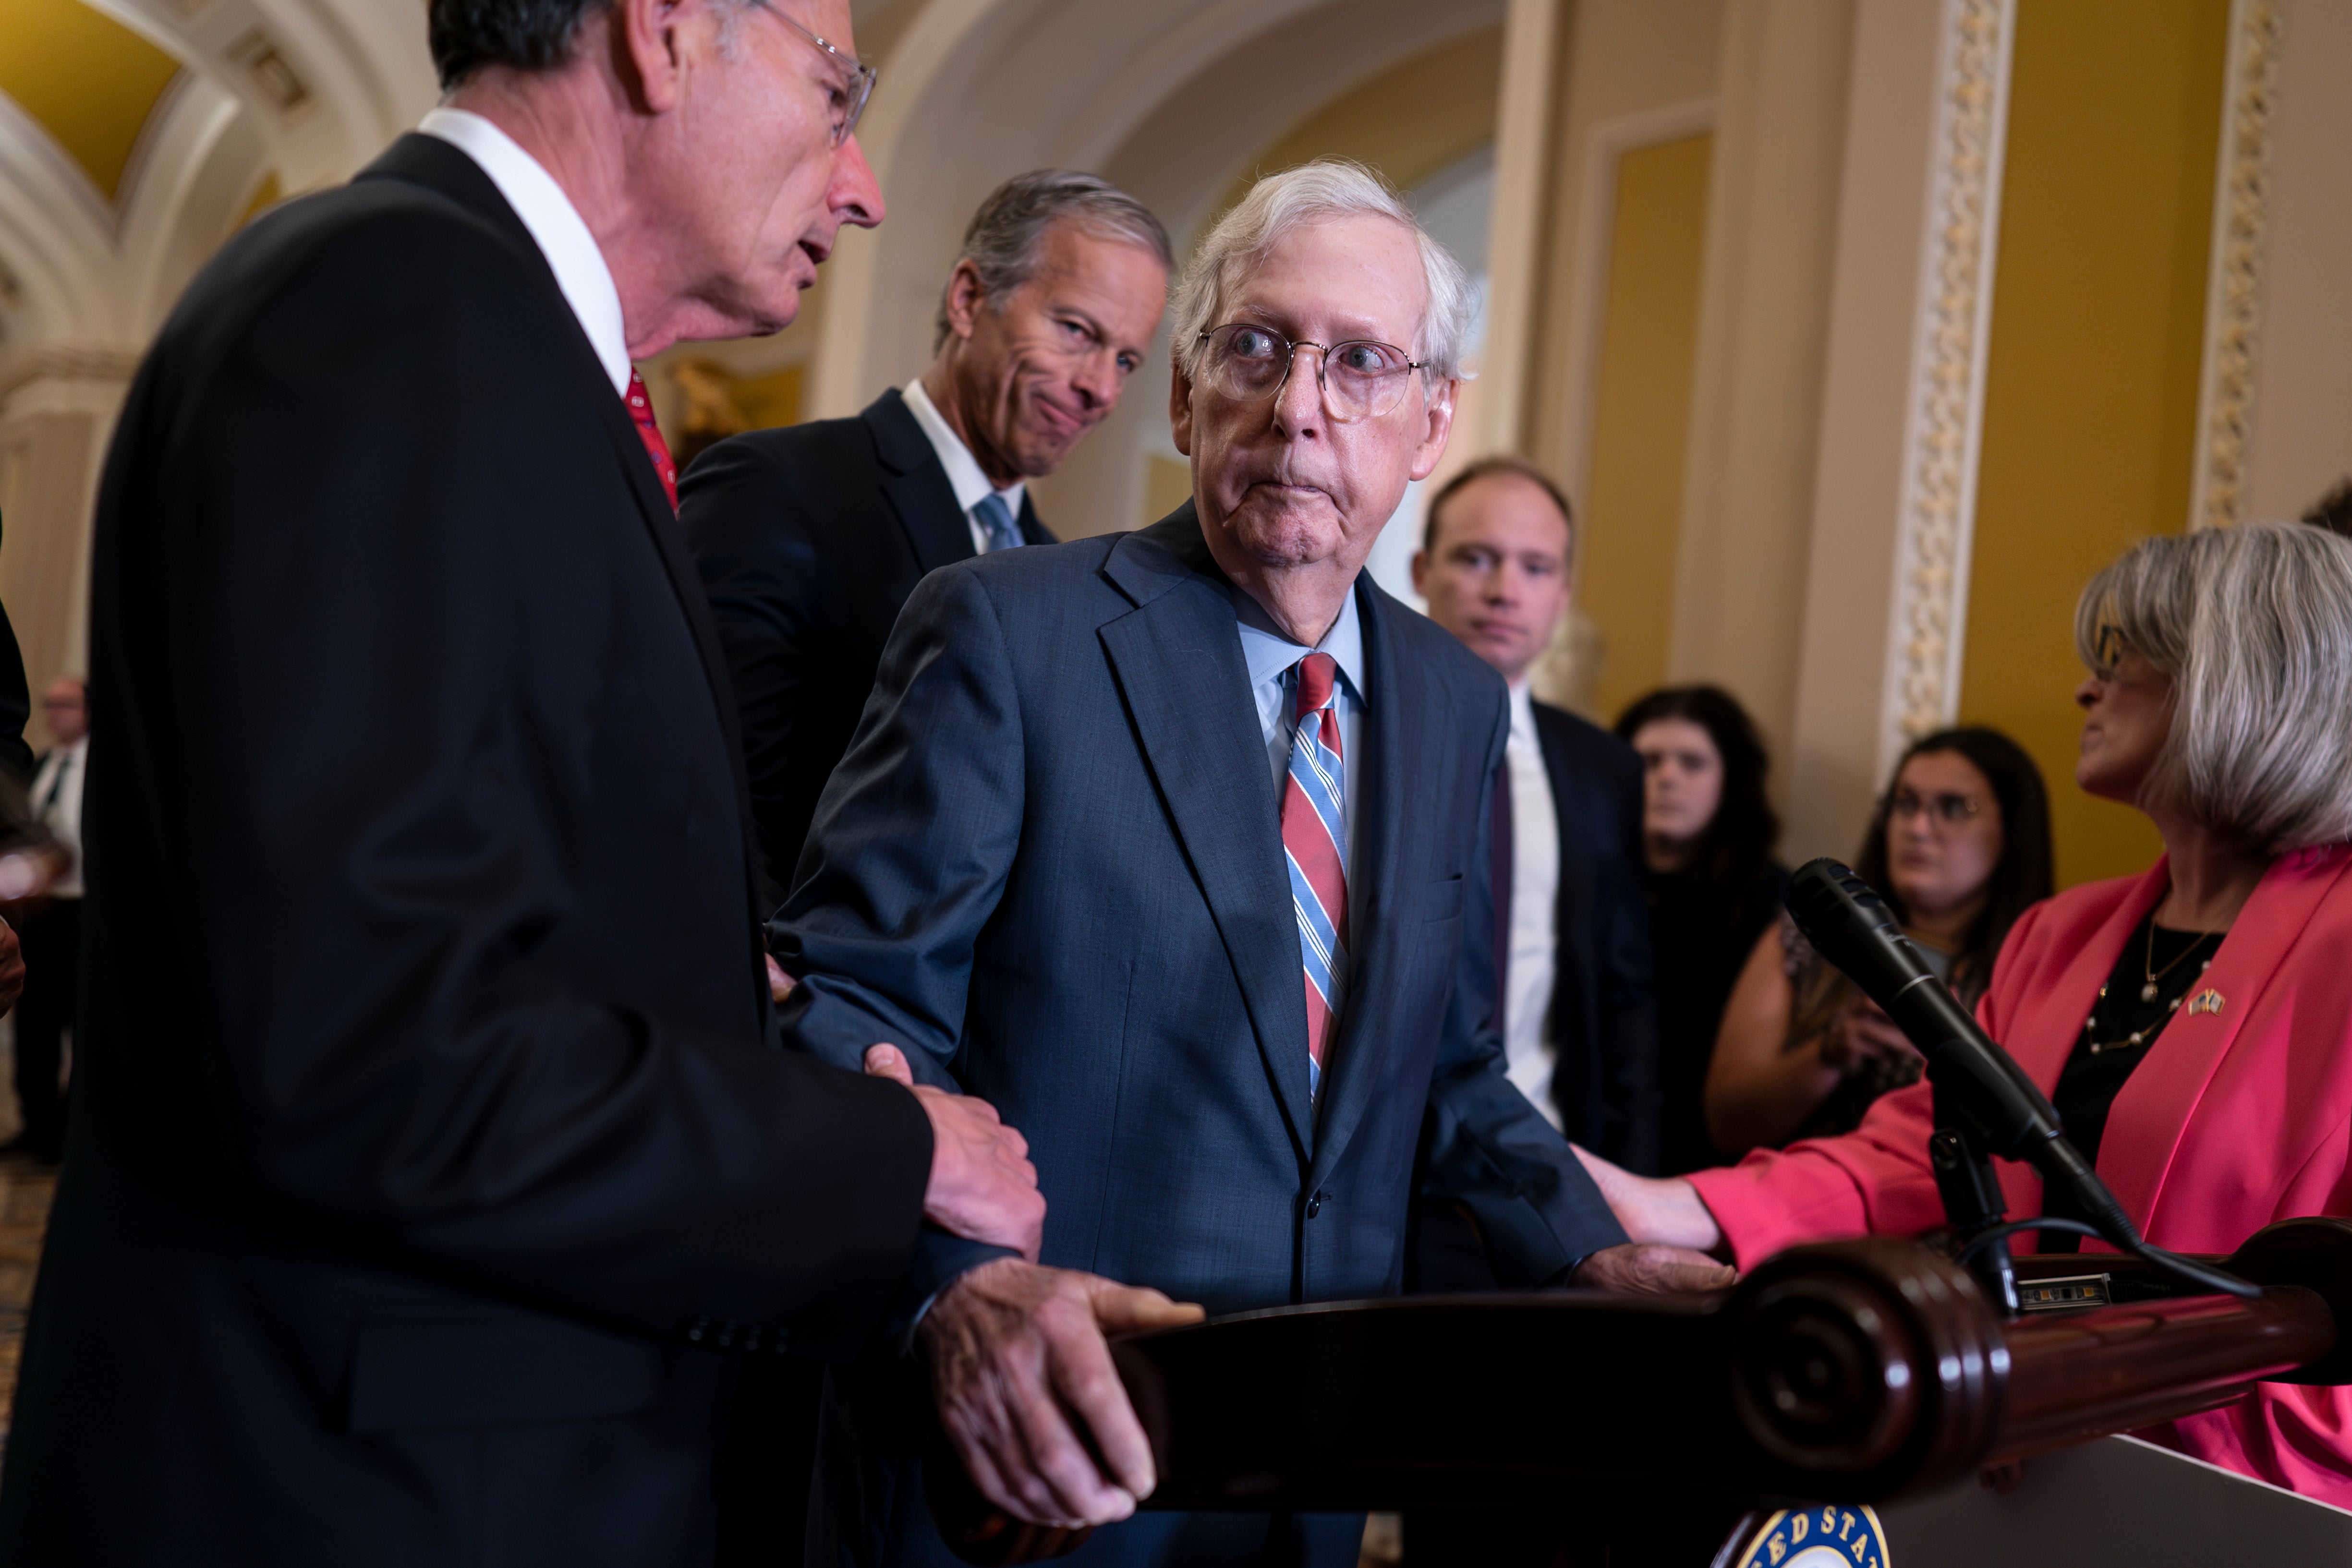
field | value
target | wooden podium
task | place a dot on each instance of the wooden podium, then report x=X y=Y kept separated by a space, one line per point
x=1851 y=1372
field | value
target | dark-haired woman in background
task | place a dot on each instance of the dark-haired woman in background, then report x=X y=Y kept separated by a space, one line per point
x=1707 y=832
x=1960 y=846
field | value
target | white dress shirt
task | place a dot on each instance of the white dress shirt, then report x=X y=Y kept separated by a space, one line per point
x=57 y=801
x=964 y=478
x=1528 y=1049
x=554 y=223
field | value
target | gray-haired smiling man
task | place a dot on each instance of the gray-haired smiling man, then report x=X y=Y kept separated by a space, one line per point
x=1171 y=845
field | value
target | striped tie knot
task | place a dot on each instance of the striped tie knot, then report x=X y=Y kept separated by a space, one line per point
x=996 y=522
x=1316 y=671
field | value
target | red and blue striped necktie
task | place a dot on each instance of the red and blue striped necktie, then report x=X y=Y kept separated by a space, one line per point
x=1313 y=840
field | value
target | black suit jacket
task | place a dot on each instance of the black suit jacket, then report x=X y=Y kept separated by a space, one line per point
x=1603 y=1013
x=430 y=1136
x=809 y=539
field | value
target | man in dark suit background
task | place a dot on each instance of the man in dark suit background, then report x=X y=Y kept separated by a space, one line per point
x=1172 y=844
x=810 y=538
x=432 y=1163
x=1579 y=1019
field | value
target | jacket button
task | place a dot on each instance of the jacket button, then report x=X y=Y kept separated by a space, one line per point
x=698 y=1330
x=1314 y=1205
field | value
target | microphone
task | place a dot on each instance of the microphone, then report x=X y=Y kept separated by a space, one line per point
x=1980 y=1086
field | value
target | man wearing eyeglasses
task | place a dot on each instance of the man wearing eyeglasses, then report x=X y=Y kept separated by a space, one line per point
x=1172 y=844
x=433 y=1170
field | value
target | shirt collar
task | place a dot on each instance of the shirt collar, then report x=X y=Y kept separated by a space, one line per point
x=1270 y=651
x=555 y=225
x=963 y=469
x=1523 y=707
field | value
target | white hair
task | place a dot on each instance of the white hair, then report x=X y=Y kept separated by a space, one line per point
x=1316 y=192
x=2253 y=624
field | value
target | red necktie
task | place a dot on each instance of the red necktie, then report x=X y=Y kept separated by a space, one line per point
x=1313 y=840
x=641 y=410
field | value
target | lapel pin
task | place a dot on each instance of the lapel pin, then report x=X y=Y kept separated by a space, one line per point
x=2208 y=1001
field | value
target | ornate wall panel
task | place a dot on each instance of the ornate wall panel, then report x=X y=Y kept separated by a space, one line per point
x=2233 y=306
x=1946 y=403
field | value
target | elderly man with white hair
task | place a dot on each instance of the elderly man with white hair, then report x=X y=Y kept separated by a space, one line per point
x=1173 y=845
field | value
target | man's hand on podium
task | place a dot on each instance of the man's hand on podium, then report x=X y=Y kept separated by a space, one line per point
x=1016 y=1351
x=1643 y=1269
x=1666 y=1210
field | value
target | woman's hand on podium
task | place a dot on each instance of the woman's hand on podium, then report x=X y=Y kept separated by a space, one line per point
x=1017 y=1353
x=1663 y=1210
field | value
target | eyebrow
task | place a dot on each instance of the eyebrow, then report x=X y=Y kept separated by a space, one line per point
x=1352 y=328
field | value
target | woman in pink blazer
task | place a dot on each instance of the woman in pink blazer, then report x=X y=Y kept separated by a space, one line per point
x=2192 y=1024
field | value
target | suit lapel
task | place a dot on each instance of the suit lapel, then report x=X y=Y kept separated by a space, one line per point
x=1396 y=725
x=1177 y=661
x=438 y=166
x=1572 y=910
x=2149 y=1124
x=915 y=485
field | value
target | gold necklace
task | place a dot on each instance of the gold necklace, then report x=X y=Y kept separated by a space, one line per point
x=2148 y=968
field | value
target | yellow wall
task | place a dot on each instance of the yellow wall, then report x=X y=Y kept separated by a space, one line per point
x=2098 y=329
x=1642 y=413
x=88 y=80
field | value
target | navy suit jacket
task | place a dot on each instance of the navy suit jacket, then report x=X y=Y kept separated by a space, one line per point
x=1604 y=1014
x=808 y=540
x=1050 y=867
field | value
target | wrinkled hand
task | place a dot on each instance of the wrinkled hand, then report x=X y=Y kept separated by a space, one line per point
x=1645 y=1269
x=1015 y=1352
x=1663 y=1210
x=1860 y=1035
x=982 y=1185
x=12 y=966
x=780 y=984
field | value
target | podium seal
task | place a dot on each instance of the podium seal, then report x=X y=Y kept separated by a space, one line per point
x=1825 y=1537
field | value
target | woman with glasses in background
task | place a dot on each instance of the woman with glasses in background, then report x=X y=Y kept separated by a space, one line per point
x=2191 y=1024
x=1959 y=846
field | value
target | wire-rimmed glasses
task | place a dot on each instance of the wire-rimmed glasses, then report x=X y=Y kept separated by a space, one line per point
x=1943 y=811
x=846 y=100
x=1359 y=379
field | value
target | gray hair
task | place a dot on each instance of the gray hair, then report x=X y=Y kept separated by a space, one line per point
x=2253 y=624
x=1002 y=243
x=1315 y=192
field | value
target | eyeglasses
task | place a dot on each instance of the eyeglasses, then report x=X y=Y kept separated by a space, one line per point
x=1359 y=379
x=847 y=102
x=1944 y=810
x=2107 y=649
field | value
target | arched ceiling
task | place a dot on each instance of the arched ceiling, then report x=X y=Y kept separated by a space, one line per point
x=85 y=78
x=135 y=135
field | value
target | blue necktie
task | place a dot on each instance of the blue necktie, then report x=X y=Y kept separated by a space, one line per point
x=996 y=522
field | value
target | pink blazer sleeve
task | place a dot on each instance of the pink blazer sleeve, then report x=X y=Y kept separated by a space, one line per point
x=1874 y=1179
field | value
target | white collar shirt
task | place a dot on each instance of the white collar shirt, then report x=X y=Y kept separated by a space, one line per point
x=964 y=476
x=56 y=797
x=555 y=225
x=1533 y=950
